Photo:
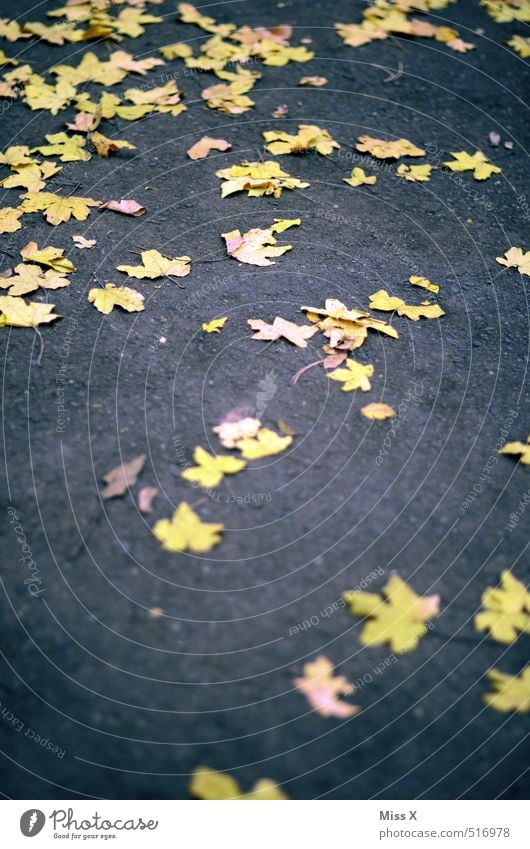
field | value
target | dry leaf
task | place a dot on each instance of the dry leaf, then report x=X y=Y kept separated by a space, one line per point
x=58 y=209
x=146 y=497
x=313 y=81
x=516 y=258
x=231 y=431
x=215 y=326
x=478 y=163
x=354 y=376
x=397 y=617
x=381 y=300
x=9 y=222
x=424 y=284
x=381 y=149
x=322 y=689
x=105 y=146
x=203 y=147
x=359 y=178
x=112 y=296
x=298 y=334
x=28 y=278
x=415 y=173
x=518 y=448
x=510 y=692
x=309 y=137
x=213 y=785
x=211 y=469
x=49 y=256
x=185 y=531
x=506 y=610
x=120 y=479
x=126 y=207
x=378 y=410
x=81 y=242
x=155 y=265
x=520 y=44
x=67 y=148
x=266 y=443
x=258 y=179
x=256 y=247
x=15 y=312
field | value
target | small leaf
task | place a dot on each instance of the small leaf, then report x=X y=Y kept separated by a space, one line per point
x=120 y=479
x=322 y=689
x=506 y=610
x=215 y=325
x=210 y=470
x=185 y=531
x=202 y=148
x=354 y=376
x=378 y=411
x=510 y=692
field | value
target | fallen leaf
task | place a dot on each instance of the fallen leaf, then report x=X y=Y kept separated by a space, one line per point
x=515 y=258
x=31 y=177
x=478 y=163
x=58 y=209
x=81 y=242
x=381 y=300
x=414 y=173
x=424 y=284
x=67 y=148
x=126 y=207
x=494 y=139
x=381 y=149
x=9 y=219
x=213 y=785
x=230 y=432
x=316 y=82
x=520 y=44
x=185 y=531
x=215 y=326
x=354 y=376
x=105 y=146
x=510 y=692
x=28 y=278
x=258 y=179
x=281 y=111
x=120 y=479
x=202 y=148
x=146 y=497
x=378 y=410
x=506 y=610
x=309 y=137
x=155 y=265
x=256 y=247
x=15 y=312
x=518 y=448
x=298 y=334
x=266 y=443
x=359 y=178
x=49 y=256
x=322 y=689
x=398 y=616
x=17 y=155
x=112 y=296
x=211 y=469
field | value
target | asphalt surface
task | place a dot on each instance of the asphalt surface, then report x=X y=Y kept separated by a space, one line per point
x=135 y=702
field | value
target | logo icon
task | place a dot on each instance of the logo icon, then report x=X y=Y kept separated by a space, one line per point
x=32 y=822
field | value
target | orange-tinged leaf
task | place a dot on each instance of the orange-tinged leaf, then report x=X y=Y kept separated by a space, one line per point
x=298 y=334
x=105 y=146
x=378 y=410
x=323 y=689
x=126 y=207
x=202 y=148
x=233 y=429
x=146 y=497
x=120 y=479
x=414 y=173
x=359 y=178
x=316 y=82
x=185 y=531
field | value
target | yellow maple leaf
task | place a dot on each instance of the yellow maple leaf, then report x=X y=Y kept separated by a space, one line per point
x=478 y=163
x=112 y=296
x=353 y=376
x=382 y=149
x=54 y=98
x=414 y=173
x=518 y=448
x=165 y=99
x=31 y=177
x=17 y=155
x=266 y=443
x=506 y=610
x=211 y=469
x=9 y=222
x=178 y=50
x=90 y=69
x=309 y=137
x=256 y=247
x=67 y=148
x=27 y=278
x=398 y=616
x=15 y=312
x=49 y=256
x=424 y=283
x=105 y=146
x=322 y=689
x=258 y=179
x=520 y=44
x=278 y=55
x=213 y=785
x=54 y=33
x=185 y=531
x=378 y=410
x=359 y=178
x=355 y=35
x=215 y=325
x=516 y=258
x=154 y=265
x=381 y=300
x=190 y=15
x=510 y=692
x=131 y=22
x=11 y=30
x=58 y=209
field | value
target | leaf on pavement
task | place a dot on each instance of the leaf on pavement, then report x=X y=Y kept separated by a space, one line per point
x=414 y=173
x=322 y=689
x=518 y=448
x=15 y=312
x=126 y=207
x=298 y=334
x=258 y=179
x=67 y=148
x=382 y=149
x=185 y=531
x=202 y=148
x=155 y=265
x=112 y=296
x=506 y=610
x=516 y=258
x=478 y=163
x=510 y=692
x=359 y=178
x=378 y=410
x=256 y=247
x=213 y=785
x=146 y=497
x=266 y=443
x=105 y=146
x=233 y=429
x=215 y=325
x=353 y=376
x=81 y=242
x=309 y=137
x=424 y=283
x=119 y=480
x=28 y=278
x=381 y=300
x=9 y=219
x=58 y=209
x=316 y=82
x=211 y=469
x=49 y=256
